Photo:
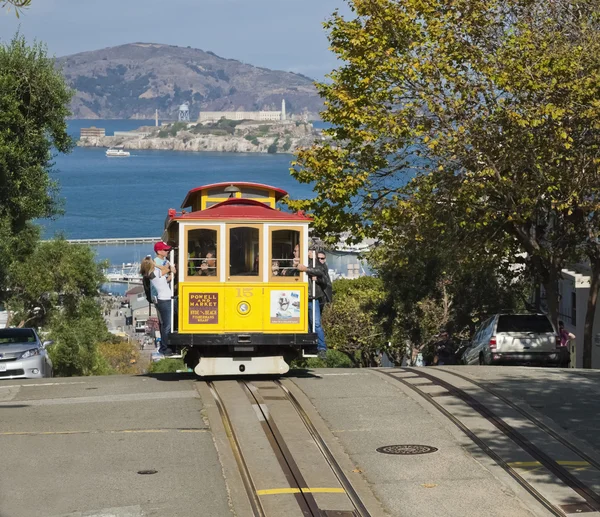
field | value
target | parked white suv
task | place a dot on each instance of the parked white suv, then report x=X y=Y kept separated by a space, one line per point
x=516 y=338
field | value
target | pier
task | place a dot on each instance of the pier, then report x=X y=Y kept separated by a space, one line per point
x=115 y=241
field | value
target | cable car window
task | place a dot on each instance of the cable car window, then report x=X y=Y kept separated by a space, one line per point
x=285 y=253
x=202 y=252
x=217 y=192
x=244 y=246
x=248 y=192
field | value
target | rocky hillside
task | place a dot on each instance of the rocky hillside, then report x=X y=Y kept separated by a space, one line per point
x=131 y=81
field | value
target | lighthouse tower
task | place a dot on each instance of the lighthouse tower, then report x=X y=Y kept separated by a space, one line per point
x=184 y=113
x=282 y=109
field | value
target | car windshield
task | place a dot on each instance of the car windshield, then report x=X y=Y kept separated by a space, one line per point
x=12 y=336
x=524 y=323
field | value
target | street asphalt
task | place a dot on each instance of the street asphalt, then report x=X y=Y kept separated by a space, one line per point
x=140 y=446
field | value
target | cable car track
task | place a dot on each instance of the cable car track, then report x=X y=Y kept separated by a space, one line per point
x=591 y=498
x=304 y=496
x=536 y=421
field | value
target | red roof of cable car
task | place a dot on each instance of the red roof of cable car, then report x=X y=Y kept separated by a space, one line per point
x=279 y=193
x=240 y=208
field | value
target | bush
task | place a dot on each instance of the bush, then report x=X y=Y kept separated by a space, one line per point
x=272 y=149
x=167 y=366
x=334 y=359
x=122 y=357
x=354 y=321
x=76 y=337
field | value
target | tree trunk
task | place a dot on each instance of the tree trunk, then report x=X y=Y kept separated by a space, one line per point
x=588 y=329
x=551 y=288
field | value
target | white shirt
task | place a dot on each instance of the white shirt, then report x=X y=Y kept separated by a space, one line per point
x=159 y=282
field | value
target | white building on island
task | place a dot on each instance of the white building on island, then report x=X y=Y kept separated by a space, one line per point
x=272 y=116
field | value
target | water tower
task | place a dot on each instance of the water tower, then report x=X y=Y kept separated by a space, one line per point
x=184 y=113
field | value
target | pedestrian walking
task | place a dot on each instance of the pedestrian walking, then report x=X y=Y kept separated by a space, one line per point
x=444 y=350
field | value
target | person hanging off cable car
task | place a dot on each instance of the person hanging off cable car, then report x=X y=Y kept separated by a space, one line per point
x=316 y=295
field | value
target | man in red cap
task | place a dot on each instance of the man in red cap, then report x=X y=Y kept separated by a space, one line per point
x=163 y=295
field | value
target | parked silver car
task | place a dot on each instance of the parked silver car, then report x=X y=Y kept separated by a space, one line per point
x=516 y=338
x=23 y=355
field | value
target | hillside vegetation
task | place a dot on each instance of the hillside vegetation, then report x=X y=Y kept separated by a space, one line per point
x=133 y=80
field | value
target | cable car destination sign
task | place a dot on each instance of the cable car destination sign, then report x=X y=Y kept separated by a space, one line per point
x=204 y=308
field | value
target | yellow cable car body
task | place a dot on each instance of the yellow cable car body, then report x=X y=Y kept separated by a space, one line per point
x=240 y=303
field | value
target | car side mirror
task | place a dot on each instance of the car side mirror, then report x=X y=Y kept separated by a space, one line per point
x=47 y=343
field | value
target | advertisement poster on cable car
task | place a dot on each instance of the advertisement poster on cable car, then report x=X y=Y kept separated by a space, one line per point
x=285 y=306
x=204 y=308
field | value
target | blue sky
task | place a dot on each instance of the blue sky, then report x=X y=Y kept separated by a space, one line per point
x=277 y=34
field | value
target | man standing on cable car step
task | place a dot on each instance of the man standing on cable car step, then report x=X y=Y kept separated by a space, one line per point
x=163 y=304
x=315 y=296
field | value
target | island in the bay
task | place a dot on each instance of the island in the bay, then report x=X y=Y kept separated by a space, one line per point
x=230 y=105
x=219 y=131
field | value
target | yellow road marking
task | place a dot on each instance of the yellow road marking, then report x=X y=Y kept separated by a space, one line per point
x=120 y=431
x=275 y=491
x=537 y=464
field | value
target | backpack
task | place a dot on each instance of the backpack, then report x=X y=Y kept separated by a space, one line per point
x=147 y=288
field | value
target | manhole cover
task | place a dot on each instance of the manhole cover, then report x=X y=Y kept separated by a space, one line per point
x=146 y=472
x=406 y=449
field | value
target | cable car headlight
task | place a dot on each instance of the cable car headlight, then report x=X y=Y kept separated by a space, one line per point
x=244 y=308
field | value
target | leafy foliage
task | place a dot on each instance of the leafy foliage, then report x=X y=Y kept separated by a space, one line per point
x=167 y=366
x=333 y=359
x=122 y=357
x=485 y=109
x=353 y=322
x=18 y=5
x=76 y=335
x=33 y=107
x=55 y=274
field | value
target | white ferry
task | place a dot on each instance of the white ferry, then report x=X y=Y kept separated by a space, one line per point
x=117 y=153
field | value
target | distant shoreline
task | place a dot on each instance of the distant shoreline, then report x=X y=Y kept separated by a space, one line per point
x=224 y=136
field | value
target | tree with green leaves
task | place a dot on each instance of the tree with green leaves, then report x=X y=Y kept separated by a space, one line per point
x=353 y=322
x=56 y=287
x=34 y=99
x=53 y=280
x=17 y=5
x=487 y=108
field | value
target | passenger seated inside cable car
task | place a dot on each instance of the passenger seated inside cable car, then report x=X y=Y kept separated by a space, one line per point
x=285 y=253
x=202 y=252
x=209 y=264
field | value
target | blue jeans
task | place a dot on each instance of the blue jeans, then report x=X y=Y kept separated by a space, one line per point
x=163 y=307
x=318 y=328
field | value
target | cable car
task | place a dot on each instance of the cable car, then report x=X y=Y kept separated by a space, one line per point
x=240 y=305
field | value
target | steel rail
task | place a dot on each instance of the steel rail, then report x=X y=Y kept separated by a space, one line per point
x=591 y=497
x=306 y=501
x=253 y=498
x=327 y=454
x=481 y=444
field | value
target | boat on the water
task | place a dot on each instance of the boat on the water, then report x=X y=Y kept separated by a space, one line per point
x=117 y=153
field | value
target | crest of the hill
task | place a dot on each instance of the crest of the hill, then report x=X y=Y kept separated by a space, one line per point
x=133 y=80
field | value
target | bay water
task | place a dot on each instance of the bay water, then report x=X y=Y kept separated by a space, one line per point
x=129 y=197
